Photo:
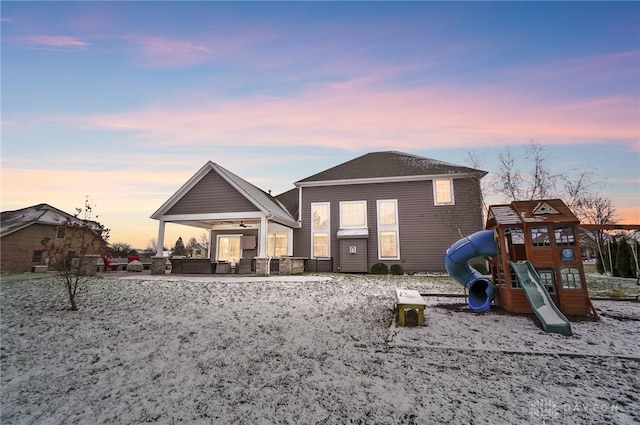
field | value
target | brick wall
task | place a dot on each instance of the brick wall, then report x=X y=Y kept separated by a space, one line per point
x=18 y=247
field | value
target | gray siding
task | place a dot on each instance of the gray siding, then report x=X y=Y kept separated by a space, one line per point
x=212 y=194
x=426 y=230
x=353 y=262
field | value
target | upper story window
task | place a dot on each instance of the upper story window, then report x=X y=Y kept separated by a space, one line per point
x=60 y=232
x=443 y=192
x=320 y=214
x=353 y=214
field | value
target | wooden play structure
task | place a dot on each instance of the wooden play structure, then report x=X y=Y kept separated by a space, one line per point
x=538 y=241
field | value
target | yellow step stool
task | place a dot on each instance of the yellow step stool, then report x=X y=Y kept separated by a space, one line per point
x=407 y=299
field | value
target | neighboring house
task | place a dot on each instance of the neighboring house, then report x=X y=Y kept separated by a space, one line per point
x=22 y=233
x=388 y=207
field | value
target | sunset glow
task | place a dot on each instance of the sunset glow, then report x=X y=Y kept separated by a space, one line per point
x=124 y=101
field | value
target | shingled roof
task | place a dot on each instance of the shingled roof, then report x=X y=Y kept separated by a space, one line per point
x=386 y=165
x=37 y=214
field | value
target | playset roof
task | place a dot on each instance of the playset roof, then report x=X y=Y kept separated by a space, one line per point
x=533 y=211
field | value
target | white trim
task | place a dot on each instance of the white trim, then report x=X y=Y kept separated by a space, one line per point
x=394 y=179
x=255 y=215
x=435 y=192
x=388 y=228
x=300 y=207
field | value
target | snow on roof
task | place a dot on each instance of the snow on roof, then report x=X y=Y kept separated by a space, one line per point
x=12 y=221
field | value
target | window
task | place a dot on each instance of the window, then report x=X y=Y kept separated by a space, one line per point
x=37 y=257
x=353 y=214
x=443 y=192
x=320 y=230
x=229 y=248
x=277 y=244
x=546 y=278
x=564 y=236
x=60 y=231
x=388 y=231
x=570 y=278
x=540 y=236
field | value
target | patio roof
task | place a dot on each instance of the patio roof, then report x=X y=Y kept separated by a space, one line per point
x=265 y=203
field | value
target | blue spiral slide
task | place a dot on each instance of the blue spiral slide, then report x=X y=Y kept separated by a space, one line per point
x=456 y=262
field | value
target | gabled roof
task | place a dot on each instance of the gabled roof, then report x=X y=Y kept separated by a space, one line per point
x=12 y=221
x=533 y=211
x=262 y=200
x=388 y=166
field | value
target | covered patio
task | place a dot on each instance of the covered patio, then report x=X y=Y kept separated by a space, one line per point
x=247 y=227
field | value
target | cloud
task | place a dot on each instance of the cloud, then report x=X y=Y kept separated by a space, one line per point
x=58 y=42
x=365 y=116
x=594 y=68
x=161 y=51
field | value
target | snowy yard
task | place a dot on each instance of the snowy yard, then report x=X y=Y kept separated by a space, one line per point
x=302 y=350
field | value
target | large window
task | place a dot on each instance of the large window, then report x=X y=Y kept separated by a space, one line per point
x=443 y=192
x=320 y=230
x=277 y=244
x=388 y=233
x=353 y=214
x=229 y=248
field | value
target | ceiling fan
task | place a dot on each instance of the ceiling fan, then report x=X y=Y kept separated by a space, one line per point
x=239 y=225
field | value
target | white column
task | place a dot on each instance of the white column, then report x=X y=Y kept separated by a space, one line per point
x=262 y=246
x=160 y=249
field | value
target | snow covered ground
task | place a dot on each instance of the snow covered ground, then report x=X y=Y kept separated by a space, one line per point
x=302 y=350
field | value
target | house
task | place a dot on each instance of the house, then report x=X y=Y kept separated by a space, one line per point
x=389 y=207
x=22 y=233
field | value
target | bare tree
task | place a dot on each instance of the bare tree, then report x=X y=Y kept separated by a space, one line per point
x=594 y=209
x=121 y=249
x=536 y=183
x=509 y=179
x=204 y=240
x=152 y=246
x=193 y=243
x=73 y=257
x=579 y=188
x=475 y=162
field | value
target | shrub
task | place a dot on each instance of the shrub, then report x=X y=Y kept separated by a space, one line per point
x=379 y=268
x=397 y=269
